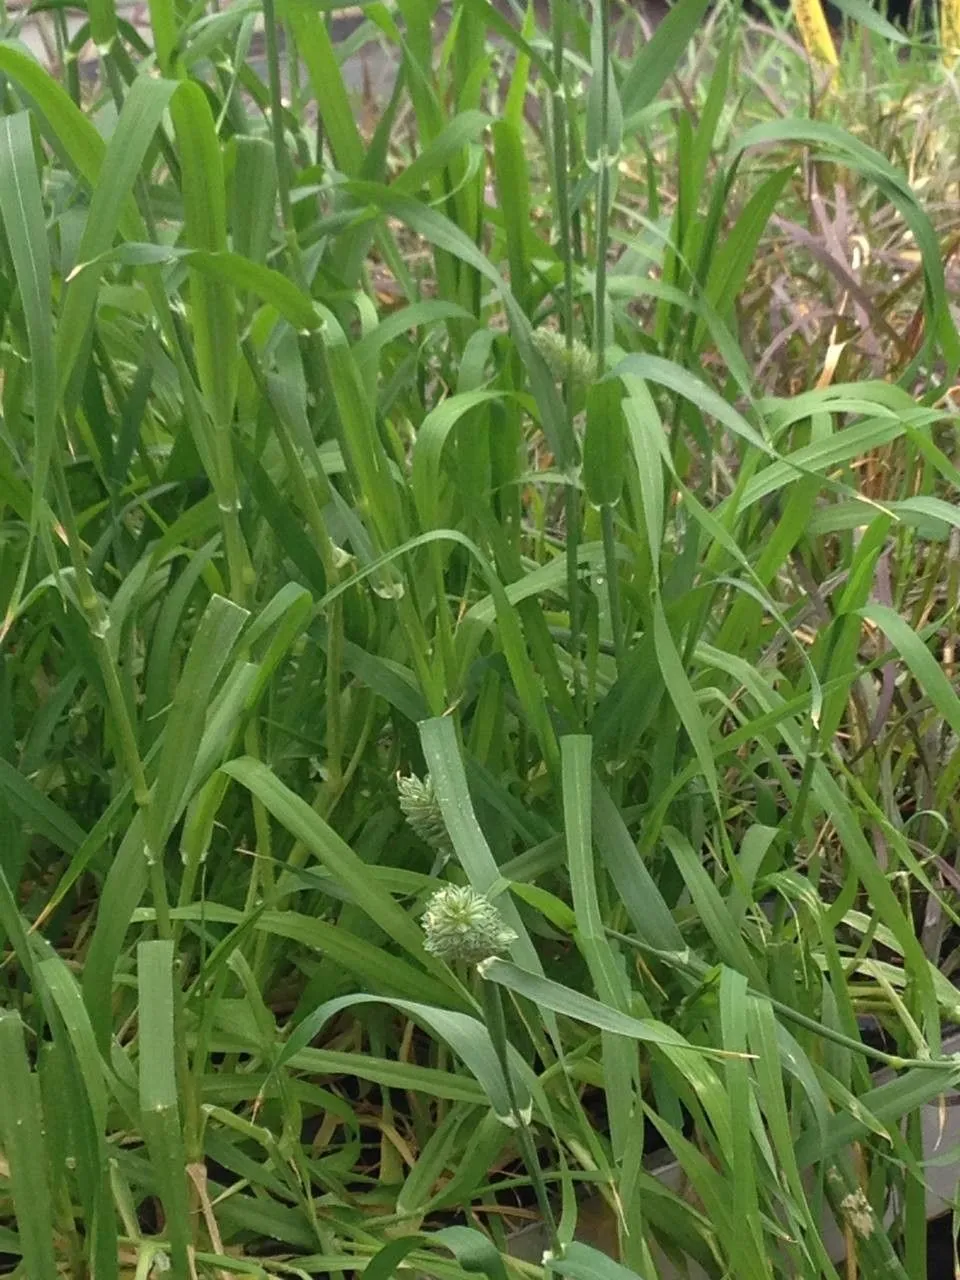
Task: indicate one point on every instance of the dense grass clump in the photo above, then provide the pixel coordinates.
(543, 485)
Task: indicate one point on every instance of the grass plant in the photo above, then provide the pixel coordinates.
(548, 485)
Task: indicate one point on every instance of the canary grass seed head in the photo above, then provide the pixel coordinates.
(576, 362)
(461, 924)
(420, 807)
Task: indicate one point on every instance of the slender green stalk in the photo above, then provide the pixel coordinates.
(229, 508)
(114, 79)
(158, 889)
(612, 567)
(603, 162)
(814, 754)
(492, 1000)
(561, 200)
(64, 53)
(687, 963)
(312, 492)
(443, 629)
(270, 26)
(332, 677)
(98, 624)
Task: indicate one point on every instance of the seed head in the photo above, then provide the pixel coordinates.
(420, 807)
(461, 924)
(576, 362)
(856, 1209)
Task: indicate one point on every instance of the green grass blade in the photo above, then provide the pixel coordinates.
(88, 1101)
(159, 1109)
(513, 194)
(926, 670)
(63, 988)
(635, 886)
(35, 807)
(313, 40)
(22, 1128)
(142, 112)
(371, 964)
(24, 221)
(673, 376)
(762, 1038)
(581, 1262)
(442, 754)
(166, 29)
(473, 1251)
(683, 698)
(711, 909)
(219, 628)
(339, 859)
(444, 234)
(205, 220)
(606, 972)
(468, 1037)
(733, 1021)
(572, 1004)
(433, 434)
(226, 269)
(254, 197)
(658, 57)
(103, 24)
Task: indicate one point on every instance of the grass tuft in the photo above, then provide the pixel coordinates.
(526, 503)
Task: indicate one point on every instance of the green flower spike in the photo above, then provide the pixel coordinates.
(462, 924)
(578, 362)
(420, 807)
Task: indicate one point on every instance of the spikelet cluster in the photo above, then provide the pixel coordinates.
(420, 807)
(577, 362)
(461, 924)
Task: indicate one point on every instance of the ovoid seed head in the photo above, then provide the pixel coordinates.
(461, 924)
